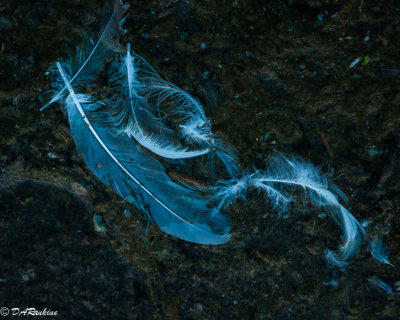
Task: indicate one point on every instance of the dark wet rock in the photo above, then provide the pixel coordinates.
(51, 258)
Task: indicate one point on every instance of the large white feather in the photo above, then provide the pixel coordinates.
(138, 177)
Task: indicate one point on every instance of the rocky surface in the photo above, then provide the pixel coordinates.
(320, 79)
(51, 258)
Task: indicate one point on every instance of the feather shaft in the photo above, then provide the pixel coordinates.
(84, 117)
(130, 75)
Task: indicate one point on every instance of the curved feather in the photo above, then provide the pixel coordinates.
(379, 251)
(185, 110)
(279, 181)
(162, 146)
(139, 178)
(284, 172)
(134, 116)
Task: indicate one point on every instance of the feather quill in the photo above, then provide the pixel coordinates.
(139, 178)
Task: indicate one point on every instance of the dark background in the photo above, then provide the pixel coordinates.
(273, 76)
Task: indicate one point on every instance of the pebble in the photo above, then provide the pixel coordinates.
(51, 155)
(98, 224)
(25, 277)
(198, 307)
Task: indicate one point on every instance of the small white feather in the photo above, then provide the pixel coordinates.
(379, 251)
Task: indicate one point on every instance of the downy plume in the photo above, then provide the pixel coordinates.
(379, 251)
(195, 130)
(164, 98)
(280, 181)
(135, 117)
(87, 64)
(137, 177)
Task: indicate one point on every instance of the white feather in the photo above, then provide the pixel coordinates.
(379, 251)
(280, 181)
(139, 178)
(162, 96)
(135, 116)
